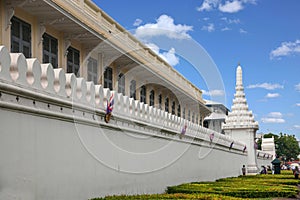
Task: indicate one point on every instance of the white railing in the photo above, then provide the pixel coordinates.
(41, 88)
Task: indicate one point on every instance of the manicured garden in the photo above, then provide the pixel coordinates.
(243, 187)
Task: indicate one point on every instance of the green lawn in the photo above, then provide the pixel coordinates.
(243, 187)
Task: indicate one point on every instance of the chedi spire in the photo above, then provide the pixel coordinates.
(240, 116)
(239, 76)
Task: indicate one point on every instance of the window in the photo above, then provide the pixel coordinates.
(121, 84)
(193, 117)
(159, 101)
(179, 111)
(151, 98)
(92, 70)
(108, 78)
(173, 108)
(20, 37)
(73, 59)
(143, 94)
(205, 124)
(167, 104)
(50, 50)
(183, 113)
(189, 115)
(132, 89)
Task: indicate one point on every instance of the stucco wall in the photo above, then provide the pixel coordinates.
(45, 158)
(54, 143)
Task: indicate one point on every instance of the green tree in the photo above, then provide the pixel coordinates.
(287, 147)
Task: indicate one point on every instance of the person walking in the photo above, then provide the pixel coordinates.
(296, 172)
(244, 170)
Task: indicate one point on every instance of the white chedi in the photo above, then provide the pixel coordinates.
(240, 115)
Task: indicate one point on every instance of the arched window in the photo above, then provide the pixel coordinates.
(151, 98)
(160, 101)
(132, 89)
(178, 110)
(121, 84)
(183, 113)
(167, 104)
(173, 108)
(189, 115)
(143, 94)
(108, 78)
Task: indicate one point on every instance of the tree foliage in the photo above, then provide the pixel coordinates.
(287, 146)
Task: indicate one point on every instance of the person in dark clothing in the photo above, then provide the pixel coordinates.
(296, 172)
(244, 170)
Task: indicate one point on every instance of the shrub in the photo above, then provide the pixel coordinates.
(235, 188)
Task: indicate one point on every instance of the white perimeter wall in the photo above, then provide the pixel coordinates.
(54, 143)
(44, 158)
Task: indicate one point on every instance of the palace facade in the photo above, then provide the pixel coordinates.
(80, 38)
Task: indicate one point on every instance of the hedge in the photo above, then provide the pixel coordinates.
(236, 188)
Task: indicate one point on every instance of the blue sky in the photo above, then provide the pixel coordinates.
(262, 35)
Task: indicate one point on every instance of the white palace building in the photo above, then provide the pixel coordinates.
(87, 110)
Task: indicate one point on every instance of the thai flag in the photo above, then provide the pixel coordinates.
(211, 137)
(183, 129)
(110, 104)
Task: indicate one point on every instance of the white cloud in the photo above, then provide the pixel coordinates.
(153, 47)
(272, 95)
(297, 87)
(273, 117)
(210, 27)
(297, 126)
(208, 5)
(231, 21)
(205, 19)
(213, 93)
(164, 26)
(275, 114)
(243, 31)
(169, 56)
(272, 120)
(234, 21)
(286, 49)
(225, 29)
(231, 6)
(267, 86)
(298, 104)
(137, 22)
(249, 1)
